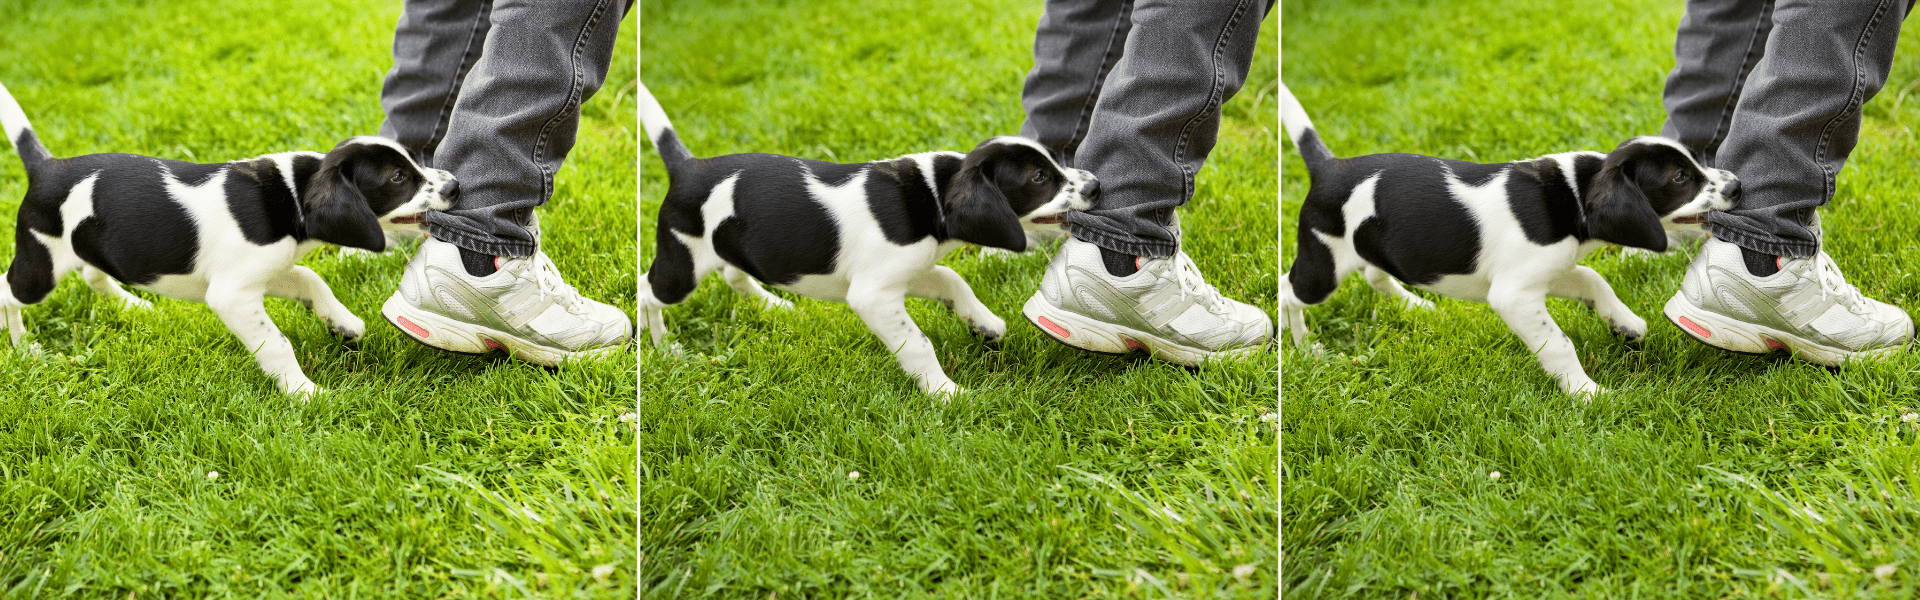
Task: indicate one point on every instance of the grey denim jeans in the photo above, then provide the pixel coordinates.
(1131, 90)
(1772, 90)
(491, 91)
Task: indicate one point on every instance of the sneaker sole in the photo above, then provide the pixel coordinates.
(441, 333)
(1081, 332)
(1732, 335)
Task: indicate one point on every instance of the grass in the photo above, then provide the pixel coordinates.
(1063, 474)
(422, 473)
(1705, 474)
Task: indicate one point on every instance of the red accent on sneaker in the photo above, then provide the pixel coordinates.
(416, 330)
(1777, 264)
(1695, 327)
(1136, 262)
(1055, 328)
(1133, 345)
(493, 345)
(496, 263)
(1775, 345)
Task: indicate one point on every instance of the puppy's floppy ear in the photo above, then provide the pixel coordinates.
(1617, 210)
(977, 211)
(335, 210)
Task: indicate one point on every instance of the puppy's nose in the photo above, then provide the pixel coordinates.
(1091, 191)
(1733, 190)
(450, 191)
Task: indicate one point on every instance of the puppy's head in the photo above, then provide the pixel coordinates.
(1649, 186)
(1010, 185)
(369, 184)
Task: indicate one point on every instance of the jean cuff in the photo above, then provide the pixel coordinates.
(1122, 244)
(1763, 243)
(483, 245)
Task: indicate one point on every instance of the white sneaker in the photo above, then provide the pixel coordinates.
(1166, 308)
(1807, 308)
(524, 309)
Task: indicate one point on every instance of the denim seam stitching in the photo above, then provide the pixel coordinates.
(573, 99)
(1084, 126)
(1854, 100)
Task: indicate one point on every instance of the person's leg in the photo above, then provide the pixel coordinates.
(1158, 115)
(516, 115)
(1714, 52)
(480, 282)
(434, 47)
(1074, 50)
(1762, 282)
(1121, 283)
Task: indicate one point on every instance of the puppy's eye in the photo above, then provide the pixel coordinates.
(1680, 177)
(398, 177)
(1040, 177)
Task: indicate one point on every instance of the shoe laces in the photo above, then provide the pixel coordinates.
(546, 278)
(1192, 283)
(1834, 284)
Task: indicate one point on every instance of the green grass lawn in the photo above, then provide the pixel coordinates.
(1062, 474)
(1705, 474)
(422, 473)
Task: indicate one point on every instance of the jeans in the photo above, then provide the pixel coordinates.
(1772, 90)
(491, 91)
(1131, 90)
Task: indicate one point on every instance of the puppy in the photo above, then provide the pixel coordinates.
(225, 234)
(1506, 234)
(865, 234)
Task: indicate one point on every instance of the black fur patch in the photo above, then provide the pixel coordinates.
(1546, 207)
(1418, 233)
(261, 202)
(778, 233)
(138, 232)
(907, 210)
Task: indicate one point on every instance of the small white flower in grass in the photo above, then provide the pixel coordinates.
(213, 474)
(1495, 475)
(1910, 417)
(1883, 572)
(602, 571)
(1242, 572)
(853, 475)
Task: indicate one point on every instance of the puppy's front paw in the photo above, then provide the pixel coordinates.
(1585, 389)
(1629, 326)
(348, 326)
(303, 388)
(944, 389)
(989, 326)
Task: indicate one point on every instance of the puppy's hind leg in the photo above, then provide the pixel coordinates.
(106, 286)
(941, 283)
(1584, 284)
(1386, 284)
(745, 284)
(1524, 308)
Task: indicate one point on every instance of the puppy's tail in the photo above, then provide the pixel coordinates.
(660, 131)
(20, 133)
(1300, 130)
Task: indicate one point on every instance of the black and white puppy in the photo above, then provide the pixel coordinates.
(867, 234)
(226, 234)
(1506, 234)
